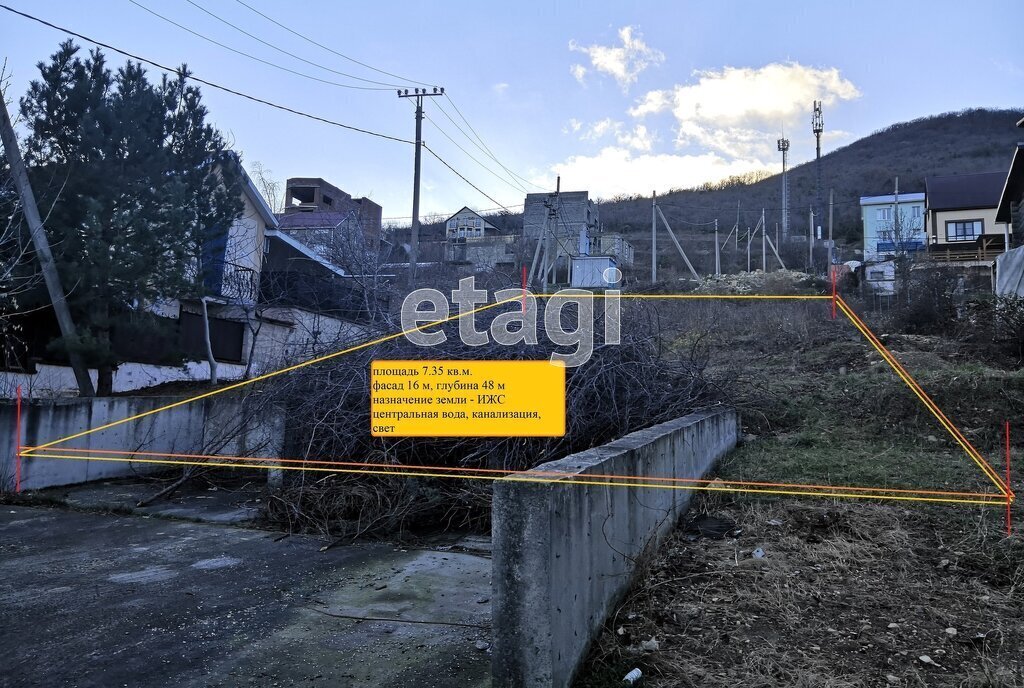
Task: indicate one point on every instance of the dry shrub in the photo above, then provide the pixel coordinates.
(653, 375)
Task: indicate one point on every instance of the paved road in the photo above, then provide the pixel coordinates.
(105, 600)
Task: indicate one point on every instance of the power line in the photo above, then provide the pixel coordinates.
(450, 213)
(517, 187)
(459, 174)
(257, 59)
(211, 84)
(331, 50)
(485, 148)
(285, 52)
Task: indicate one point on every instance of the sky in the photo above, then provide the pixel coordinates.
(616, 97)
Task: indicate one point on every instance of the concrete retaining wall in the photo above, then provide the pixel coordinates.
(564, 554)
(224, 424)
(1010, 273)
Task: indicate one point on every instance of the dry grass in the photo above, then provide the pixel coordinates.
(846, 595)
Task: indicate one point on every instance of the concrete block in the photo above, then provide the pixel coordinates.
(565, 554)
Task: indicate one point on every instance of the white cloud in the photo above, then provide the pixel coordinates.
(623, 62)
(572, 126)
(738, 111)
(638, 138)
(578, 71)
(500, 89)
(600, 129)
(617, 170)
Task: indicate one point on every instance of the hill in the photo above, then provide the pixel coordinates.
(954, 143)
(978, 140)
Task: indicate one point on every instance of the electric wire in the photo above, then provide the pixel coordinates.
(485, 147)
(516, 186)
(289, 54)
(460, 176)
(330, 50)
(257, 59)
(206, 82)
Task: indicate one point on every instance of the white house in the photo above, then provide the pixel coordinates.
(256, 324)
(891, 229)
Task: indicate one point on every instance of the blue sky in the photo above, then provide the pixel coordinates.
(617, 97)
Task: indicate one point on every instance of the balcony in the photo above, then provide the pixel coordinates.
(985, 248)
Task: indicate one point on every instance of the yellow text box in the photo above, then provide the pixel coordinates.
(467, 398)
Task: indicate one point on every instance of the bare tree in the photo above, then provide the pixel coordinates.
(267, 185)
(906, 234)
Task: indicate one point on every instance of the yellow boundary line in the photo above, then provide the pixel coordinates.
(925, 399)
(1004, 490)
(997, 500)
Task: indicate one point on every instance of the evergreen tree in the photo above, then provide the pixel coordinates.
(141, 189)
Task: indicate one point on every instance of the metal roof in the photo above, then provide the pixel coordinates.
(964, 191)
(891, 198)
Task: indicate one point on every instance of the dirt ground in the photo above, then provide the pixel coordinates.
(802, 593)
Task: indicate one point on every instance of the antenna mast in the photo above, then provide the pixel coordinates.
(817, 126)
(784, 148)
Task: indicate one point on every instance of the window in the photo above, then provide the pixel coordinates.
(876, 275)
(885, 235)
(915, 212)
(965, 230)
(884, 214)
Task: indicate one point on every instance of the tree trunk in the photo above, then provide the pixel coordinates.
(105, 381)
(209, 347)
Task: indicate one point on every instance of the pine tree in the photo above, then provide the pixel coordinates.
(139, 188)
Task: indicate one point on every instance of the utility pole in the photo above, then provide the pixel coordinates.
(718, 252)
(414, 240)
(896, 215)
(764, 248)
(42, 247)
(810, 240)
(831, 244)
(654, 237)
(737, 246)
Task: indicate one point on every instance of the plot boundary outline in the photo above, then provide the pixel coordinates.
(1004, 496)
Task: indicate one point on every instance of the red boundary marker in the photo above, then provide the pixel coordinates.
(1009, 521)
(17, 443)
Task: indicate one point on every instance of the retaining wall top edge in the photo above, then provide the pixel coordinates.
(584, 460)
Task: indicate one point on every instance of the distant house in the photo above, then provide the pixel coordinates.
(960, 218)
(567, 214)
(471, 240)
(892, 226)
(613, 244)
(329, 220)
(467, 223)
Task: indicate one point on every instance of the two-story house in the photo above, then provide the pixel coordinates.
(960, 218)
(471, 240)
(893, 226)
(270, 300)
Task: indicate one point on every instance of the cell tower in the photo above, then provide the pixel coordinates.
(817, 126)
(784, 147)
